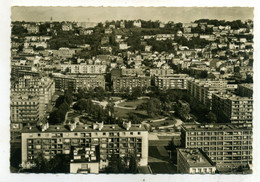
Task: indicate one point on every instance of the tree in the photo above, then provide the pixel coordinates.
(133, 164)
(153, 107)
(58, 164)
(68, 96)
(81, 105)
(203, 74)
(211, 117)
(99, 93)
(41, 164)
(136, 92)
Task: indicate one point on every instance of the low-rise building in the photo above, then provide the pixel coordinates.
(194, 161)
(64, 53)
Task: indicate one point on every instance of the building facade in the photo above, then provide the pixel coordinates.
(202, 90)
(123, 141)
(228, 145)
(128, 82)
(233, 108)
(26, 109)
(245, 90)
(84, 68)
(74, 82)
(176, 81)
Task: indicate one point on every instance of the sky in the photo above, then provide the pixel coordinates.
(101, 14)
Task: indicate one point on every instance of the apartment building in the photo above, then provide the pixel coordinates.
(84, 68)
(26, 108)
(194, 161)
(175, 81)
(202, 90)
(122, 140)
(74, 82)
(128, 82)
(228, 145)
(161, 72)
(245, 90)
(43, 87)
(232, 108)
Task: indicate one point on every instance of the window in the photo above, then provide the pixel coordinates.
(75, 134)
(39, 134)
(131, 133)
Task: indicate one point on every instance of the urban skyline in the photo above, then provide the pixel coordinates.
(96, 14)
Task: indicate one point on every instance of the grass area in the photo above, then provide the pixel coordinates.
(133, 103)
(163, 123)
(116, 98)
(123, 113)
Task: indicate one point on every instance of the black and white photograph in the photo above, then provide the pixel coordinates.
(131, 90)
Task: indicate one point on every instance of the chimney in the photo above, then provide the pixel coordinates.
(127, 125)
(100, 126)
(72, 126)
(95, 126)
(44, 126)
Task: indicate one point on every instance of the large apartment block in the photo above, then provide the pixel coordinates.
(228, 145)
(245, 90)
(124, 82)
(98, 141)
(202, 90)
(26, 109)
(64, 82)
(84, 68)
(233, 108)
(175, 81)
(43, 87)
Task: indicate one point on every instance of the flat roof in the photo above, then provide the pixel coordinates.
(196, 158)
(215, 127)
(247, 85)
(83, 128)
(233, 97)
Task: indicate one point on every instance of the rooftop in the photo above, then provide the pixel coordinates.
(215, 127)
(82, 128)
(196, 158)
(232, 97)
(247, 85)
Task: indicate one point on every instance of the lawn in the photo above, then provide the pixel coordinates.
(133, 103)
(123, 113)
